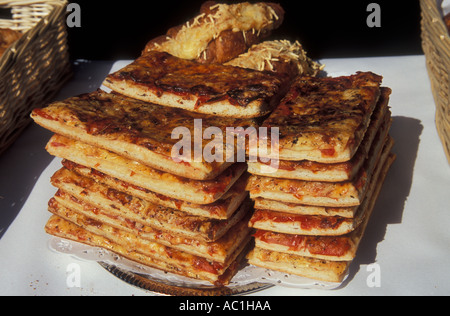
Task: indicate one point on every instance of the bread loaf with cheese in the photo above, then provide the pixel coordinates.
(220, 32)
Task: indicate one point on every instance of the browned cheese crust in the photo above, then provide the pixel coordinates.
(325, 119)
(221, 250)
(147, 253)
(338, 172)
(145, 213)
(194, 191)
(138, 130)
(214, 89)
(317, 269)
(222, 209)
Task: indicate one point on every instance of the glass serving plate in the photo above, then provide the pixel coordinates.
(248, 280)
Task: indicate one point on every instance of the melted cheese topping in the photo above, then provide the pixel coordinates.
(193, 38)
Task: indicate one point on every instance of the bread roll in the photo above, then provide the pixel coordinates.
(7, 38)
(220, 32)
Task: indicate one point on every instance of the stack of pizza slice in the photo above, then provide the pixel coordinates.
(120, 188)
(135, 179)
(149, 170)
(314, 203)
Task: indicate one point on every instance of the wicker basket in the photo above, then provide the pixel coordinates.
(35, 67)
(436, 45)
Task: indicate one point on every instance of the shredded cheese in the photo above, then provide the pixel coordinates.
(262, 56)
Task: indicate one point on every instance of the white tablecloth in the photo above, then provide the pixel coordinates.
(408, 238)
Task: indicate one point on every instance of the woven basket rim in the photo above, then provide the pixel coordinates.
(33, 68)
(12, 3)
(436, 44)
(436, 15)
(57, 6)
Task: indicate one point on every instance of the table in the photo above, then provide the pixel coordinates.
(406, 249)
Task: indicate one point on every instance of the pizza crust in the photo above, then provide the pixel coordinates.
(155, 216)
(149, 254)
(309, 260)
(136, 130)
(198, 192)
(313, 225)
(299, 209)
(212, 89)
(325, 119)
(76, 179)
(325, 194)
(338, 172)
(219, 251)
(322, 270)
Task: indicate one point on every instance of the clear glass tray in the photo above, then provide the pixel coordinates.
(249, 279)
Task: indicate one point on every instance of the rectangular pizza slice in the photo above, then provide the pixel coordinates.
(332, 248)
(299, 209)
(141, 131)
(326, 194)
(307, 261)
(215, 89)
(318, 225)
(325, 119)
(155, 216)
(316, 269)
(336, 172)
(75, 179)
(219, 251)
(130, 171)
(149, 254)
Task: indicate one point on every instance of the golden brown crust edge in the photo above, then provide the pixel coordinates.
(57, 226)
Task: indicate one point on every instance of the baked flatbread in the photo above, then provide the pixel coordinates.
(307, 264)
(150, 254)
(219, 251)
(220, 32)
(299, 209)
(139, 131)
(326, 194)
(333, 248)
(75, 179)
(130, 171)
(337, 172)
(317, 269)
(317, 225)
(155, 216)
(203, 88)
(325, 119)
